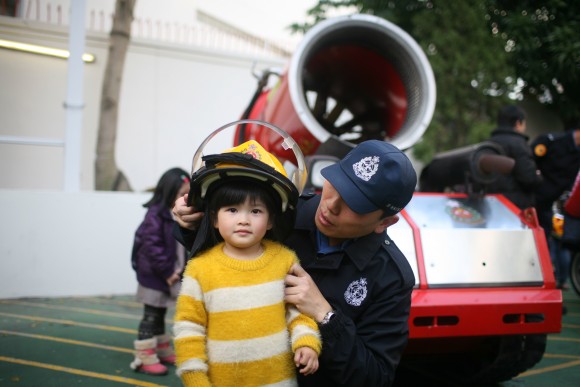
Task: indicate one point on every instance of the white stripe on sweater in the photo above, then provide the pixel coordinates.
(284, 383)
(248, 350)
(291, 313)
(244, 297)
(301, 331)
(191, 365)
(190, 287)
(183, 329)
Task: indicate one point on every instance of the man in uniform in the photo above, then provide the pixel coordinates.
(353, 279)
(557, 156)
(519, 185)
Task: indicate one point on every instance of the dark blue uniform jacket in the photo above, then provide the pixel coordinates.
(369, 285)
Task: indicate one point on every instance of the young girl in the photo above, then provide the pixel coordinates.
(158, 260)
(232, 327)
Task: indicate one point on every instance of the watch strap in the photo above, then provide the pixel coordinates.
(327, 317)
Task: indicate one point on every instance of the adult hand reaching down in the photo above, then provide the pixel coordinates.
(186, 217)
(303, 292)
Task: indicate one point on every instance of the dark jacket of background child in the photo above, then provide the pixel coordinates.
(154, 252)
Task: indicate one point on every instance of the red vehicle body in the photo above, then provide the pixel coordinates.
(485, 294)
(571, 211)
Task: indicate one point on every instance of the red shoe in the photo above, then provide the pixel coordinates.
(164, 350)
(156, 369)
(167, 359)
(146, 360)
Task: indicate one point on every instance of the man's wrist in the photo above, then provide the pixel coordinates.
(327, 317)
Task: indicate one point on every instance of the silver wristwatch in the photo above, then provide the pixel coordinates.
(327, 318)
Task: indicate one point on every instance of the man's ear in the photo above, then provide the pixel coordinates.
(386, 222)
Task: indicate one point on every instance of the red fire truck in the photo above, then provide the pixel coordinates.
(485, 295)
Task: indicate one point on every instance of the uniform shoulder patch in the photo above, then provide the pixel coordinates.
(356, 292)
(540, 150)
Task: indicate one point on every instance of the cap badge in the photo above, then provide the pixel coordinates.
(366, 167)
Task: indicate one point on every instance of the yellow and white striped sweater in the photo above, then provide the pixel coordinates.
(232, 327)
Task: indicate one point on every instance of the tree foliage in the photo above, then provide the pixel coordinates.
(542, 38)
(478, 50)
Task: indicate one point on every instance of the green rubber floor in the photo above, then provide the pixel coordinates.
(87, 342)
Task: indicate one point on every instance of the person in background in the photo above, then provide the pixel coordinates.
(557, 156)
(559, 253)
(352, 279)
(158, 261)
(232, 326)
(519, 185)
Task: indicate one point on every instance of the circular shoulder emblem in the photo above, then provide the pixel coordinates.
(540, 150)
(356, 292)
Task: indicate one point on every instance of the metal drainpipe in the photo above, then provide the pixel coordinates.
(74, 103)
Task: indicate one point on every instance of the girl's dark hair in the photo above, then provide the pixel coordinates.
(168, 187)
(233, 193)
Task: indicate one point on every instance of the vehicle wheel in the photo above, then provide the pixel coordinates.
(516, 355)
(499, 359)
(575, 271)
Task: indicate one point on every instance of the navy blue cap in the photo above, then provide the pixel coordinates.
(375, 175)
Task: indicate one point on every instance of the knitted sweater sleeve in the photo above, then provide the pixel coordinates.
(190, 331)
(303, 329)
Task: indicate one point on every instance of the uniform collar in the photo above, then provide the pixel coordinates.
(509, 131)
(363, 249)
(360, 251)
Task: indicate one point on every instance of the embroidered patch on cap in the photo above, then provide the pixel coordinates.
(366, 167)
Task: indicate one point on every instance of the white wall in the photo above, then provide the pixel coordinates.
(55, 244)
(172, 97)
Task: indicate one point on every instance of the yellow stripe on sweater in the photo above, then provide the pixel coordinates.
(188, 348)
(216, 270)
(276, 371)
(247, 324)
(189, 309)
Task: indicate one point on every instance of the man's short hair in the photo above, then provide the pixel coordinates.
(509, 115)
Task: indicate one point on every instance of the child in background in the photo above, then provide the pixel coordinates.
(158, 261)
(232, 327)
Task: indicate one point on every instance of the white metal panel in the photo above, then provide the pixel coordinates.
(402, 234)
(480, 257)
(474, 242)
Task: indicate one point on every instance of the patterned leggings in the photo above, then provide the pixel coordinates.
(153, 322)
